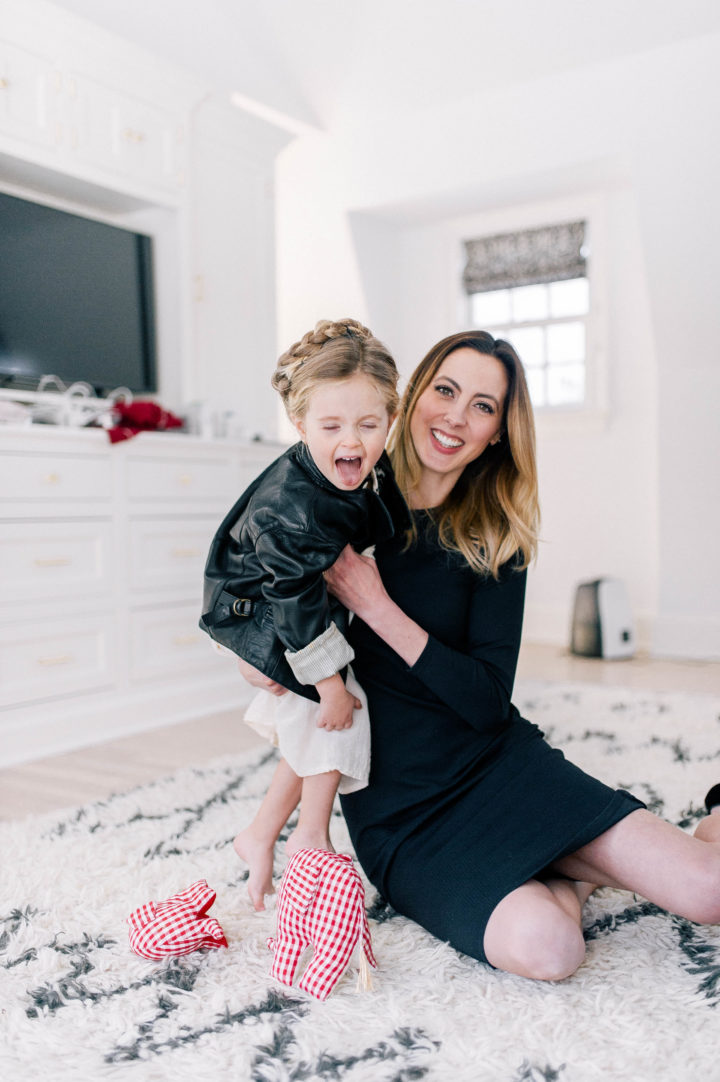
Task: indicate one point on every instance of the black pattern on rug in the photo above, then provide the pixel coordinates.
(434, 1014)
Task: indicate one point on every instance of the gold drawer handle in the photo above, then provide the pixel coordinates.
(4, 83)
(185, 479)
(183, 554)
(132, 136)
(52, 561)
(52, 479)
(186, 640)
(57, 659)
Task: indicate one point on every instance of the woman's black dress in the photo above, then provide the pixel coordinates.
(466, 800)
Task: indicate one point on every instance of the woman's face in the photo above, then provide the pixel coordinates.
(458, 414)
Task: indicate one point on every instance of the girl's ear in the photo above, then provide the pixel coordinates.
(299, 425)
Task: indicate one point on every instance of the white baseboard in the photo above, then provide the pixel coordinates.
(54, 727)
(691, 638)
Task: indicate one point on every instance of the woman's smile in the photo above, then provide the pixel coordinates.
(447, 443)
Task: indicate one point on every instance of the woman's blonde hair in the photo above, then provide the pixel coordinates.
(492, 514)
(334, 351)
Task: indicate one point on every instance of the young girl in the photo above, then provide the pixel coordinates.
(265, 596)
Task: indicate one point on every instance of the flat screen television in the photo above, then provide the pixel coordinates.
(76, 300)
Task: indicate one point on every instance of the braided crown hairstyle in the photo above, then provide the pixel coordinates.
(334, 350)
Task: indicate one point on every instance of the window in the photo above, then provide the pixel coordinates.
(531, 288)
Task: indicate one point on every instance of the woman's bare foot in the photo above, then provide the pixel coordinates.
(302, 838)
(258, 856)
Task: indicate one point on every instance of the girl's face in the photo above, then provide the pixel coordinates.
(345, 428)
(458, 414)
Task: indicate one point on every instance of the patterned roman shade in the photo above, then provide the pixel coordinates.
(552, 253)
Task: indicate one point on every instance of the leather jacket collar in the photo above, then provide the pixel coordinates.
(306, 460)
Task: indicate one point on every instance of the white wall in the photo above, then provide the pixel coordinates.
(368, 223)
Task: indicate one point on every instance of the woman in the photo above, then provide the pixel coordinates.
(471, 824)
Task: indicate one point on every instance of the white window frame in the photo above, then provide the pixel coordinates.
(592, 413)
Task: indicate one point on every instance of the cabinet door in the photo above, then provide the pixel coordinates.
(193, 481)
(28, 96)
(47, 659)
(44, 477)
(170, 554)
(124, 134)
(50, 561)
(167, 642)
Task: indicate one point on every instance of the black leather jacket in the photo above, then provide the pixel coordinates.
(264, 594)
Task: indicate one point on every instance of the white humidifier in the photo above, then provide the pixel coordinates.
(602, 623)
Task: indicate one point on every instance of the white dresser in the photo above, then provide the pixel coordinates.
(102, 549)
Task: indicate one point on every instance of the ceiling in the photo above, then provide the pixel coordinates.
(323, 62)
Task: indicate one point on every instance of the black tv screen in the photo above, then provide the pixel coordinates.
(76, 300)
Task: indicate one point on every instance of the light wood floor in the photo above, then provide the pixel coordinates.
(94, 773)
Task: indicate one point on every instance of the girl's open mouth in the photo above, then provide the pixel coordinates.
(350, 471)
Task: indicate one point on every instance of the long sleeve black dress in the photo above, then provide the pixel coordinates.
(466, 800)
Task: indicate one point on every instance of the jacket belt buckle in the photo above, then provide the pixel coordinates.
(242, 606)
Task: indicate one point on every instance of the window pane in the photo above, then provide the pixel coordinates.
(529, 302)
(566, 342)
(565, 384)
(536, 385)
(571, 298)
(529, 344)
(489, 309)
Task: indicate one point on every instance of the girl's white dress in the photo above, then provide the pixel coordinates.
(289, 722)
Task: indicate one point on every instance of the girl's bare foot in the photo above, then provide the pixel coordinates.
(258, 856)
(302, 838)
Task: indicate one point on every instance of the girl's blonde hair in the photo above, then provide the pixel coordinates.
(492, 514)
(334, 351)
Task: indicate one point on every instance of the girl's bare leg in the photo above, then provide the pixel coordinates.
(313, 829)
(256, 844)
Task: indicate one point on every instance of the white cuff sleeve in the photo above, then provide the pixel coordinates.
(323, 657)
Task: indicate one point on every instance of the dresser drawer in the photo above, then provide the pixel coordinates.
(55, 477)
(176, 479)
(56, 658)
(44, 561)
(166, 553)
(170, 641)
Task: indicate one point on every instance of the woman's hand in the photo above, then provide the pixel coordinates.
(355, 581)
(259, 679)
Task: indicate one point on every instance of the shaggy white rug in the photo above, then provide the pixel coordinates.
(76, 1004)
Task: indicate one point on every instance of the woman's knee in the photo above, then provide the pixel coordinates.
(549, 949)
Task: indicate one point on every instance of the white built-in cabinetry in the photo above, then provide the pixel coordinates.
(102, 550)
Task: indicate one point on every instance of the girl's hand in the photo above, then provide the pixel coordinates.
(259, 679)
(336, 704)
(355, 581)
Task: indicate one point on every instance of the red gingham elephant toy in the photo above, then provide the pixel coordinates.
(321, 902)
(176, 926)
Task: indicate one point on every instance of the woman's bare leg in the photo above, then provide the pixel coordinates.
(677, 871)
(256, 844)
(313, 829)
(536, 930)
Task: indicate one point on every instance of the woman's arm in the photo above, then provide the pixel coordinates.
(476, 683)
(355, 581)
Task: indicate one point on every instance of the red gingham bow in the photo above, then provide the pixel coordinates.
(176, 926)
